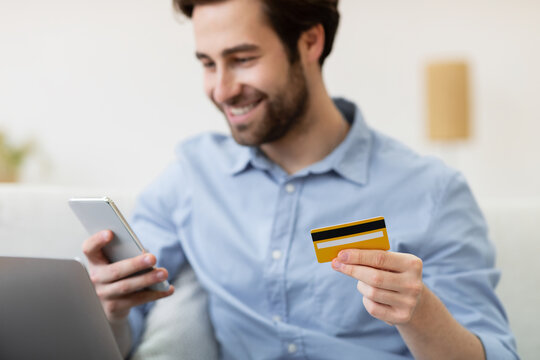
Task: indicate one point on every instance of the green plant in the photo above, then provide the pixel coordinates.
(12, 157)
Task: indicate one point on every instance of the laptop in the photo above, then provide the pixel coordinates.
(49, 310)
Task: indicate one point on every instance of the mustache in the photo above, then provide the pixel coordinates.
(245, 97)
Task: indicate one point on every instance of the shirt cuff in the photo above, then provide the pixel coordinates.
(495, 349)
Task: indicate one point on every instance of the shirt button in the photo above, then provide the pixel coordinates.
(276, 318)
(291, 348)
(276, 254)
(289, 188)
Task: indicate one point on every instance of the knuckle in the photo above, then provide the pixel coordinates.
(93, 273)
(380, 259)
(415, 288)
(114, 272)
(354, 256)
(111, 307)
(347, 269)
(100, 293)
(416, 264)
(376, 280)
(372, 292)
(124, 288)
(95, 279)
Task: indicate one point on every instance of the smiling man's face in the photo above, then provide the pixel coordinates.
(247, 73)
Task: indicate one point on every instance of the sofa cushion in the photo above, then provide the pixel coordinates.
(178, 327)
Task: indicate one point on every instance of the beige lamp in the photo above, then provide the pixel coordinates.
(448, 106)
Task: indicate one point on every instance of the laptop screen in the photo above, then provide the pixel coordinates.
(49, 310)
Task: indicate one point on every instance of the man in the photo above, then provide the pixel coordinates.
(239, 211)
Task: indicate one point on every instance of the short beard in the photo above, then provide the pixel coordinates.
(284, 112)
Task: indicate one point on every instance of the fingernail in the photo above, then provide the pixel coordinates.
(148, 260)
(161, 275)
(105, 235)
(336, 264)
(343, 256)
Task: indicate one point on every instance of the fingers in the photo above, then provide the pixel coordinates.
(387, 260)
(92, 246)
(117, 289)
(119, 296)
(388, 306)
(377, 310)
(130, 285)
(381, 296)
(373, 277)
(407, 283)
(118, 309)
(121, 269)
(143, 297)
(390, 282)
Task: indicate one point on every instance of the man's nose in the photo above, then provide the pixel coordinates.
(226, 87)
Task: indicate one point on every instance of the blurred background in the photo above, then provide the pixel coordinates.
(96, 95)
(106, 89)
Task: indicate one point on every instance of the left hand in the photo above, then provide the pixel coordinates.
(391, 282)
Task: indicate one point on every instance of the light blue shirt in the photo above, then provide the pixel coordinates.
(244, 226)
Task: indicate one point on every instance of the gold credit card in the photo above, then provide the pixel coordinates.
(363, 234)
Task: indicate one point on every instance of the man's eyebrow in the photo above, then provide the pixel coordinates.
(239, 48)
(229, 51)
(201, 56)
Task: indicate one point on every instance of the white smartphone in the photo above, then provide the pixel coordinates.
(97, 214)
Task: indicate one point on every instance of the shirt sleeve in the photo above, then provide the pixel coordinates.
(459, 268)
(156, 218)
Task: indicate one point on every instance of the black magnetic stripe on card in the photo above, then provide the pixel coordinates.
(348, 230)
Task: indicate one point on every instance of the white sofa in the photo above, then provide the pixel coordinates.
(36, 221)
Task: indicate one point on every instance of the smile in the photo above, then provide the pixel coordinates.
(237, 111)
(242, 110)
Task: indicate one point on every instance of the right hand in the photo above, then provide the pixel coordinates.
(117, 292)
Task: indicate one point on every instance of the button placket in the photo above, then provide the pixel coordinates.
(289, 188)
(292, 348)
(277, 254)
(284, 218)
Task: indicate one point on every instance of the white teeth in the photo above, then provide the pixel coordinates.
(237, 111)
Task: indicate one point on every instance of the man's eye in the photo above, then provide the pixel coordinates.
(244, 60)
(208, 64)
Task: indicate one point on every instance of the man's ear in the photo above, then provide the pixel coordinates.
(311, 44)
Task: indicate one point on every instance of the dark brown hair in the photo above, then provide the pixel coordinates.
(289, 19)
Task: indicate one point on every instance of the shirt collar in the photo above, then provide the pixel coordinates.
(349, 159)
(250, 156)
(243, 159)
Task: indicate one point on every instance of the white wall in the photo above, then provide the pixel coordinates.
(107, 88)
(383, 46)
